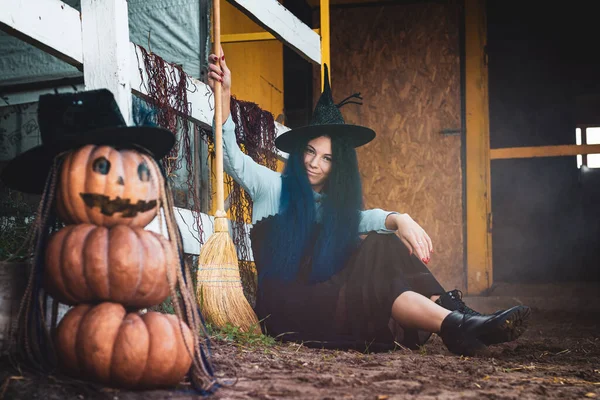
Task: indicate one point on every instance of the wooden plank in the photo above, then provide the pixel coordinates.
(106, 56)
(478, 196)
(284, 25)
(50, 25)
(325, 41)
(544, 151)
(584, 157)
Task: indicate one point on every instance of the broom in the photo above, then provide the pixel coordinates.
(219, 292)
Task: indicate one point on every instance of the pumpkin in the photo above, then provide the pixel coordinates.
(105, 186)
(104, 344)
(87, 263)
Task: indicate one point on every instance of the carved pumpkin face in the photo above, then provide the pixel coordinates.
(105, 186)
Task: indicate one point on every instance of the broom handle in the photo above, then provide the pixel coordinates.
(220, 212)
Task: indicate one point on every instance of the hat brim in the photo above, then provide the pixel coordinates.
(28, 171)
(354, 135)
(157, 141)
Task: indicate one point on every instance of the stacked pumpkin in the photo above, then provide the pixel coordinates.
(107, 266)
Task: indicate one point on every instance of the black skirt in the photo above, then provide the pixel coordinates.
(351, 310)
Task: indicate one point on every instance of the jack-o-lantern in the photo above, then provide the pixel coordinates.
(87, 263)
(106, 345)
(105, 186)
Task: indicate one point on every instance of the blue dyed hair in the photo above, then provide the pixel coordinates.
(293, 232)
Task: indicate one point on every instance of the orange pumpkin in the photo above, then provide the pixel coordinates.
(86, 263)
(104, 344)
(105, 186)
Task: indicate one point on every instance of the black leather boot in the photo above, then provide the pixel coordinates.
(514, 327)
(464, 334)
(452, 301)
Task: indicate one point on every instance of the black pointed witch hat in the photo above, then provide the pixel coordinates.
(326, 120)
(70, 120)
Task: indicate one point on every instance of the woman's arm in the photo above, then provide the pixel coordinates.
(411, 233)
(253, 177)
(374, 220)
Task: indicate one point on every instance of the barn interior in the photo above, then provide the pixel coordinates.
(478, 108)
(487, 116)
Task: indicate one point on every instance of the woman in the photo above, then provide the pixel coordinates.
(318, 281)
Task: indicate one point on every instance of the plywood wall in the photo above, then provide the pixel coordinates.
(404, 59)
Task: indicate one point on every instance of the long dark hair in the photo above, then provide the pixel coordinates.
(292, 232)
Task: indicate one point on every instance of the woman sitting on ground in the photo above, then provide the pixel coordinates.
(319, 282)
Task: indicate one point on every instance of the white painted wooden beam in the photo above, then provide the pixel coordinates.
(106, 51)
(186, 221)
(284, 25)
(51, 25)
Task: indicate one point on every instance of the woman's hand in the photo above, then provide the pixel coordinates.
(218, 71)
(412, 235)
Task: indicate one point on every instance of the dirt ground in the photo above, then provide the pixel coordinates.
(558, 357)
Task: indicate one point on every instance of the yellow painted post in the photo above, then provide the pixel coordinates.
(325, 43)
(478, 190)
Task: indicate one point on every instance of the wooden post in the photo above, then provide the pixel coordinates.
(478, 196)
(106, 50)
(584, 142)
(325, 41)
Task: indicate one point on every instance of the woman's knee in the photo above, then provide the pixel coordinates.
(385, 239)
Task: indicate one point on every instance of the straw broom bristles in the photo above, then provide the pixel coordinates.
(219, 288)
(219, 292)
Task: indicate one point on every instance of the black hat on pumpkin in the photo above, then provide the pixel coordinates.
(71, 120)
(326, 120)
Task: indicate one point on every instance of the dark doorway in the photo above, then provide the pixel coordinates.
(297, 74)
(542, 61)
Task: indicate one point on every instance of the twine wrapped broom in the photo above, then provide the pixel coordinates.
(219, 292)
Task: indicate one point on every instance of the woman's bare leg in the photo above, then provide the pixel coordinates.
(413, 310)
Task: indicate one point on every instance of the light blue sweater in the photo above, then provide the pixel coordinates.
(264, 185)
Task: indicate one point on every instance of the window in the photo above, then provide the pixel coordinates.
(587, 135)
